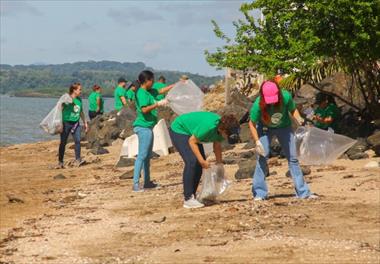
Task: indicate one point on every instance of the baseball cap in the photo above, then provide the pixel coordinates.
(270, 92)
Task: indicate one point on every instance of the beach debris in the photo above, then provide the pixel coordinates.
(160, 220)
(14, 199)
(59, 176)
(372, 164)
(348, 176)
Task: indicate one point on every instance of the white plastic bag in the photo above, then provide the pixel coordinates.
(214, 183)
(52, 123)
(185, 97)
(318, 147)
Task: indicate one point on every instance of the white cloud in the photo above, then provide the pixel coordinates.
(132, 15)
(14, 8)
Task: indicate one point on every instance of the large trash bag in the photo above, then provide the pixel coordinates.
(214, 183)
(185, 97)
(52, 123)
(319, 147)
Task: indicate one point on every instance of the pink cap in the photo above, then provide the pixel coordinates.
(270, 92)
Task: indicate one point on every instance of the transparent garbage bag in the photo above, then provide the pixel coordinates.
(214, 183)
(52, 123)
(319, 147)
(185, 97)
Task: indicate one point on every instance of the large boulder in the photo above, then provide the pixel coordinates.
(246, 169)
(239, 105)
(374, 142)
(357, 151)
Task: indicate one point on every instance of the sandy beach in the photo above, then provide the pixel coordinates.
(90, 215)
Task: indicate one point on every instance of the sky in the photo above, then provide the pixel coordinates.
(165, 35)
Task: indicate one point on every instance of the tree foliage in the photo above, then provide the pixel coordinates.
(298, 37)
(55, 79)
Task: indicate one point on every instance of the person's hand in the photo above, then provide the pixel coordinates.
(300, 120)
(205, 164)
(163, 102)
(259, 148)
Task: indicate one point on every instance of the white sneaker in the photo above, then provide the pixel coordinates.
(258, 199)
(192, 203)
(313, 196)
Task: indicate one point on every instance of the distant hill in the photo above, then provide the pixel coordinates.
(54, 79)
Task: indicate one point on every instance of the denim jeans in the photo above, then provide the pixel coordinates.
(193, 170)
(67, 130)
(145, 136)
(287, 141)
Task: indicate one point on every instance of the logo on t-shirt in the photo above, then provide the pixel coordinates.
(276, 118)
(76, 108)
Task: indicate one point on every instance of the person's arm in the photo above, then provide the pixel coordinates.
(84, 121)
(147, 109)
(218, 152)
(193, 142)
(166, 89)
(98, 103)
(252, 127)
(296, 114)
(123, 100)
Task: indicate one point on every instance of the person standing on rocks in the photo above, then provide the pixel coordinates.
(120, 94)
(96, 102)
(269, 116)
(71, 115)
(146, 108)
(327, 113)
(160, 88)
(187, 132)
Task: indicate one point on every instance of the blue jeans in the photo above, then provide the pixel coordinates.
(74, 129)
(192, 172)
(287, 141)
(145, 136)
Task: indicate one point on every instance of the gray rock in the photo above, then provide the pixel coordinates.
(127, 175)
(358, 155)
(250, 145)
(246, 169)
(99, 151)
(125, 162)
(231, 161)
(155, 155)
(374, 142)
(245, 133)
(247, 155)
(59, 177)
(14, 199)
(305, 170)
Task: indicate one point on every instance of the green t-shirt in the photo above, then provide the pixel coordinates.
(279, 118)
(130, 95)
(119, 91)
(155, 91)
(143, 99)
(93, 104)
(203, 125)
(330, 111)
(71, 112)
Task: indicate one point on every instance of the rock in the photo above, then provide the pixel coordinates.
(160, 220)
(305, 170)
(275, 148)
(127, 175)
(99, 151)
(59, 177)
(226, 146)
(230, 161)
(250, 145)
(359, 155)
(245, 133)
(155, 155)
(14, 199)
(92, 159)
(246, 169)
(125, 162)
(372, 164)
(247, 154)
(374, 142)
(239, 105)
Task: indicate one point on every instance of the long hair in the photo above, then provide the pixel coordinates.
(263, 105)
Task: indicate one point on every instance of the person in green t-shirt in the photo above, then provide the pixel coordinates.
(146, 108)
(187, 132)
(160, 88)
(71, 114)
(120, 94)
(327, 113)
(96, 102)
(270, 116)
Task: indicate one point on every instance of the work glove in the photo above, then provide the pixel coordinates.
(163, 102)
(259, 148)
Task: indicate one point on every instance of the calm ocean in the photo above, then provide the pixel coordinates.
(20, 118)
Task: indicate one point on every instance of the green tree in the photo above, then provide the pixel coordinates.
(308, 40)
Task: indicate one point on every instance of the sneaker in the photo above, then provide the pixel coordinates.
(258, 198)
(79, 163)
(192, 203)
(60, 165)
(136, 188)
(312, 196)
(150, 185)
